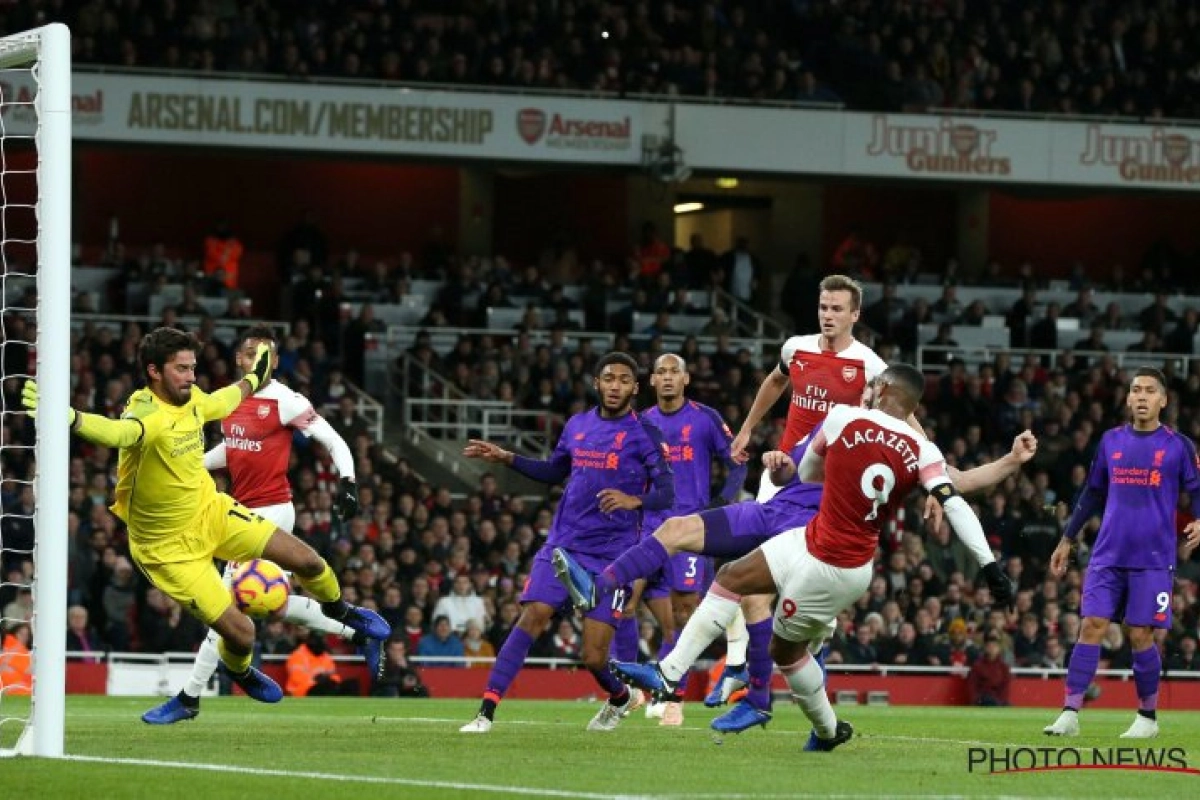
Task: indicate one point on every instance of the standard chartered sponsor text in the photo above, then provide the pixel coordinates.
(199, 113)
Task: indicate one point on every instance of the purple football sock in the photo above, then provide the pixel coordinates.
(1147, 667)
(624, 646)
(1084, 660)
(617, 693)
(759, 664)
(509, 662)
(640, 561)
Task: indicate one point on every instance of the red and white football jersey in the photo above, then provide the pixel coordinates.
(822, 379)
(872, 462)
(258, 444)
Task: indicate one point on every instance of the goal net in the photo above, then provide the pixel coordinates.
(35, 328)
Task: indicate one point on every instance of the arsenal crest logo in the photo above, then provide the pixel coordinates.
(263, 411)
(531, 124)
(849, 374)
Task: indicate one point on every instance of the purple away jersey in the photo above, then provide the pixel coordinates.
(1136, 478)
(593, 454)
(695, 435)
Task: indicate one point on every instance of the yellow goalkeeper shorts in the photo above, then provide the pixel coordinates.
(226, 530)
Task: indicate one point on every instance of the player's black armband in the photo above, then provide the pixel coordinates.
(943, 492)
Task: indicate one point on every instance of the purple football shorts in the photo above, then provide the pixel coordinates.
(543, 587)
(1132, 596)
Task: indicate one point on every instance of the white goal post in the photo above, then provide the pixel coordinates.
(43, 121)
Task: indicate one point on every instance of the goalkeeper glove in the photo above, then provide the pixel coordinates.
(260, 374)
(1003, 594)
(346, 502)
(29, 399)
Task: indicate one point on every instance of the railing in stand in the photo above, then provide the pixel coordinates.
(433, 406)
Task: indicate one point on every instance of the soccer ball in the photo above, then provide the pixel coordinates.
(260, 587)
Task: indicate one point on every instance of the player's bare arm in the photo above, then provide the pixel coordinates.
(771, 390)
(779, 466)
(985, 476)
(614, 499)
(1192, 533)
(492, 453)
(1061, 557)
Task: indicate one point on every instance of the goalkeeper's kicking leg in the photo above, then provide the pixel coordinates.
(235, 631)
(299, 609)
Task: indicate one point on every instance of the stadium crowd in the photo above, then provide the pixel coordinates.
(446, 571)
(1097, 57)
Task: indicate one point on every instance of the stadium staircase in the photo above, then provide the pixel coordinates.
(430, 419)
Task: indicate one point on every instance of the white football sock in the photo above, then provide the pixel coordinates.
(207, 660)
(308, 613)
(738, 640)
(711, 619)
(808, 687)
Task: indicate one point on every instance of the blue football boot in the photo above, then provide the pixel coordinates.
(171, 712)
(578, 582)
(843, 733)
(366, 622)
(258, 686)
(647, 677)
(742, 717)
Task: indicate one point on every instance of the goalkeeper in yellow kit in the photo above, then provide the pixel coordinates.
(178, 521)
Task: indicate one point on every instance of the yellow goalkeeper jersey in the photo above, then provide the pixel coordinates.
(162, 485)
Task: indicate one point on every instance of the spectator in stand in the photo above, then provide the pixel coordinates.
(651, 254)
(414, 627)
(475, 646)
(856, 256)
(1182, 338)
(164, 627)
(811, 90)
(990, 680)
(1044, 334)
(443, 644)
(745, 274)
(1029, 645)
(956, 648)
(462, 606)
(944, 343)
(1186, 658)
(307, 236)
(16, 662)
(1157, 316)
(83, 638)
(567, 643)
(1083, 307)
(397, 677)
(223, 256)
(701, 264)
(861, 649)
(311, 670)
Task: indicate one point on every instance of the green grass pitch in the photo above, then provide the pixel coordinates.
(356, 748)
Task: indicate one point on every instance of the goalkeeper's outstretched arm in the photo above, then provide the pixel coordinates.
(129, 431)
